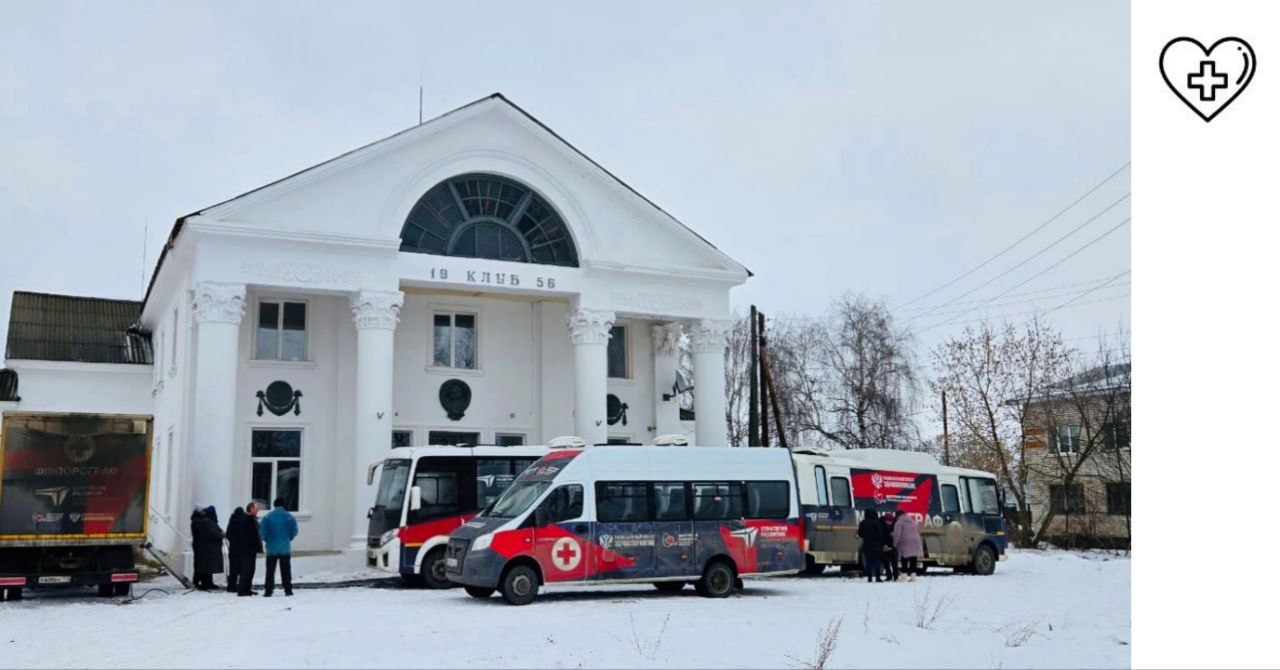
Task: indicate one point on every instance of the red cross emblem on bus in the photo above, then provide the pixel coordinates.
(565, 554)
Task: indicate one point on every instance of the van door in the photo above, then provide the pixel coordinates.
(673, 531)
(561, 535)
(953, 510)
(624, 531)
(844, 522)
(819, 530)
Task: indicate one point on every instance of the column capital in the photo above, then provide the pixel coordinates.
(709, 335)
(217, 302)
(376, 309)
(589, 326)
(666, 339)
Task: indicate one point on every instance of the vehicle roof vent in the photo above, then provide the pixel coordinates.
(674, 440)
(567, 442)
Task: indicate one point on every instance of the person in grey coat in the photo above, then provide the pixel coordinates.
(907, 541)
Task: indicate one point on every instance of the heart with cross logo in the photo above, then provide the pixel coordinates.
(1207, 80)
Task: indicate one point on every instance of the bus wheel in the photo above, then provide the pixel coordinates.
(669, 587)
(478, 592)
(813, 568)
(520, 585)
(984, 561)
(717, 580)
(433, 570)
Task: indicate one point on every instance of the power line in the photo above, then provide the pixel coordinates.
(1087, 292)
(1042, 272)
(1057, 293)
(1050, 289)
(1021, 239)
(1030, 258)
(1026, 313)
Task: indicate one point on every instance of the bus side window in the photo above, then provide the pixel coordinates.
(950, 499)
(439, 493)
(841, 494)
(820, 483)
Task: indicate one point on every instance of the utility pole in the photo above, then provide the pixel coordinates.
(766, 375)
(753, 414)
(764, 388)
(946, 436)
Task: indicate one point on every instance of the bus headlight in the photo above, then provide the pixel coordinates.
(481, 542)
(388, 536)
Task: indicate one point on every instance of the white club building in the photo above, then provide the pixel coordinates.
(472, 279)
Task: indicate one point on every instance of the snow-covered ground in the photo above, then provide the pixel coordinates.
(1040, 609)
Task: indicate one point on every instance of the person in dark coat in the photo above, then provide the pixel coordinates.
(873, 541)
(890, 554)
(206, 547)
(233, 558)
(246, 544)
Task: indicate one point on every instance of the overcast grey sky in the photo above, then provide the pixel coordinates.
(884, 148)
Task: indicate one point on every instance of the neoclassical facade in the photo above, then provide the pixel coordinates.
(473, 279)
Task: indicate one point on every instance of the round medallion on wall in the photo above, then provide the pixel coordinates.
(615, 410)
(280, 398)
(455, 398)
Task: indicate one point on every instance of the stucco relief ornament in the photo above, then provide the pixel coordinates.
(666, 339)
(376, 309)
(217, 301)
(280, 398)
(589, 326)
(709, 335)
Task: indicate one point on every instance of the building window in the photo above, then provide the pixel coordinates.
(401, 438)
(1067, 439)
(618, 352)
(508, 439)
(282, 331)
(1067, 500)
(1115, 435)
(1118, 499)
(452, 439)
(454, 341)
(486, 216)
(277, 467)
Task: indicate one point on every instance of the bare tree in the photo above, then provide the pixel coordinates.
(991, 376)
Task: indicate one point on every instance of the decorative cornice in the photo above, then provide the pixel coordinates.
(218, 302)
(666, 340)
(589, 326)
(709, 335)
(376, 309)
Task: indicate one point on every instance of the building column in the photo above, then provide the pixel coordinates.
(707, 342)
(666, 361)
(217, 309)
(589, 333)
(375, 314)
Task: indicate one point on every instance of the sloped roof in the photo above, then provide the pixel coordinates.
(49, 327)
(177, 225)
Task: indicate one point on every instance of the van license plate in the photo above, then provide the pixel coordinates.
(55, 580)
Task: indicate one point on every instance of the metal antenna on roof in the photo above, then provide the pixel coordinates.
(142, 282)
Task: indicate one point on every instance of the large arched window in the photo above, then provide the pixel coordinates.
(485, 216)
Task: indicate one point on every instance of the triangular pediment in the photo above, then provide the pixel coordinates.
(367, 193)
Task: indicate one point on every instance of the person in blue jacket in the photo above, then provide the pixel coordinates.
(278, 530)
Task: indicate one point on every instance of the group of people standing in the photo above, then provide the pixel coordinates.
(246, 538)
(888, 540)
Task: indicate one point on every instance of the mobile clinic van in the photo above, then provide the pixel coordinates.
(427, 492)
(610, 514)
(958, 509)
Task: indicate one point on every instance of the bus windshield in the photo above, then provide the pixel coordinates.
(515, 500)
(395, 475)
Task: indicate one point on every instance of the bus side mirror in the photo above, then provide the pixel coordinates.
(415, 499)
